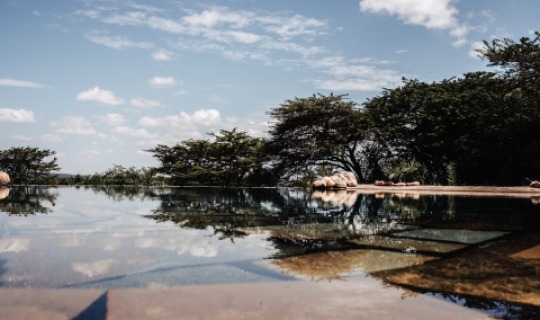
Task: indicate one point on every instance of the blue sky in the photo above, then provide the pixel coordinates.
(99, 81)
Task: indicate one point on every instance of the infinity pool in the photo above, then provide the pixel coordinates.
(112, 237)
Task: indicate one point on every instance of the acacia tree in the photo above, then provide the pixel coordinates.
(233, 158)
(27, 164)
(321, 131)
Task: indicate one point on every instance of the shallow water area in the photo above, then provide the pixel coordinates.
(390, 247)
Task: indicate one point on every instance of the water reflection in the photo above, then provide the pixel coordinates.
(27, 200)
(123, 237)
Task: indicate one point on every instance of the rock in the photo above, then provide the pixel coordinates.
(380, 183)
(352, 182)
(319, 184)
(338, 182)
(399, 184)
(414, 183)
(4, 192)
(535, 184)
(328, 182)
(4, 178)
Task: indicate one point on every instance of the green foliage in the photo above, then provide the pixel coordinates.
(407, 171)
(28, 165)
(115, 176)
(307, 133)
(233, 158)
(479, 129)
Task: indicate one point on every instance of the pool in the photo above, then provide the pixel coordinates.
(407, 245)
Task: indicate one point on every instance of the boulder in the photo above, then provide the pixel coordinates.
(4, 178)
(339, 183)
(535, 184)
(319, 184)
(352, 182)
(328, 182)
(380, 183)
(399, 184)
(4, 192)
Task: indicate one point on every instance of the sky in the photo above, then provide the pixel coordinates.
(101, 81)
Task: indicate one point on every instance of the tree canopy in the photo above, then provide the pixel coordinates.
(233, 158)
(28, 164)
(319, 132)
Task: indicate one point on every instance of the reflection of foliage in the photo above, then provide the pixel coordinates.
(411, 170)
(122, 193)
(221, 208)
(28, 200)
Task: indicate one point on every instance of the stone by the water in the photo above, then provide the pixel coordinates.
(4, 178)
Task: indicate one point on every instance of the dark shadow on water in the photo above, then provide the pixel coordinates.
(97, 310)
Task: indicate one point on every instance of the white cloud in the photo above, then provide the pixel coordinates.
(16, 115)
(431, 14)
(74, 125)
(51, 137)
(161, 55)
(162, 82)
(206, 117)
(100, 95)
(112, 119)
(135, 133)
(20, 83)
(212, 17)
(117, 42)
(287, 27)
(475, 46)
(145, 103)
(166, 25)
(352, 75)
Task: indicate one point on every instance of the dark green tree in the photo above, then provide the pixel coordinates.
(519, 62)
(479, 129)
(232, 158)
(328, 131)
(27, 165)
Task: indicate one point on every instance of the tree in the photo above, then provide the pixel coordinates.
(27, 164)
(233, 158)
(328, 131)
(520, 64)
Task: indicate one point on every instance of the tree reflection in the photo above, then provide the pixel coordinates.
(123, 193)
(28, 200)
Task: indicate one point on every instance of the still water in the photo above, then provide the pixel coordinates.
(482, 253)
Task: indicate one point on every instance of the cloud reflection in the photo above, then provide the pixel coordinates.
(14, 245)
(92, 269)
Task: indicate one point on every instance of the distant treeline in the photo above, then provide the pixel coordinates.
(482, 128)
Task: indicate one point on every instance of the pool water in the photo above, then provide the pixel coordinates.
(117, 237)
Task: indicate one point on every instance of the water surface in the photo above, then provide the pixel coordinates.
(112, 237)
